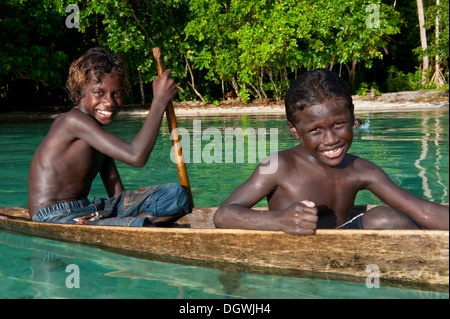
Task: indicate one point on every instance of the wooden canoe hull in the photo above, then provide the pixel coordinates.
(404, 255)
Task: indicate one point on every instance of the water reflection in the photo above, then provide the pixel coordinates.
(411, 142)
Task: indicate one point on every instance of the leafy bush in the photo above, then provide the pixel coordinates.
(365, 88)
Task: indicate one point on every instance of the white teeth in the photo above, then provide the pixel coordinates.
(332, 151)
(106, 113)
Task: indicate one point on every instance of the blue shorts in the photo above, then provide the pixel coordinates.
(354, 223)
(357, 223)
(161, 200)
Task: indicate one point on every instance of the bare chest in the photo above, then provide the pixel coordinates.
(333, 192)
(83, 160)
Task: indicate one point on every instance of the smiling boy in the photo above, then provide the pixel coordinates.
(316, 182)
(77, 148)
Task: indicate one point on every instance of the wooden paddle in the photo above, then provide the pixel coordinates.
(175, 137)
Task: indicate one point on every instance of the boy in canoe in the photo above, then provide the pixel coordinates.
(77, 147)
(316, 182)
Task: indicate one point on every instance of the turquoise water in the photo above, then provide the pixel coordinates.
(38, 268)
(412, 147)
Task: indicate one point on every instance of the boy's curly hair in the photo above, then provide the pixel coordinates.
(314, 87)
(94, 64)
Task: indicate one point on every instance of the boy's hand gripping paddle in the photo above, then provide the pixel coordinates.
(173, 128)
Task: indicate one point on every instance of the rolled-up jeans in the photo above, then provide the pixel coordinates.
(161, 201)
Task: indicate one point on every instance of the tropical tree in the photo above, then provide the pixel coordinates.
(423, 40)
(438, 20)
(258, 44)
(35, 51)
(252, 47)
(132, 29)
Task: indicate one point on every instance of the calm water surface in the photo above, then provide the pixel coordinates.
(412, 147)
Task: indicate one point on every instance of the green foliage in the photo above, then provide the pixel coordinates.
(133, 28)
(441, 46)
(365, 88)
(35, 54)
(244, 95)
(261, 41)
(253, 47)
(399, 81)
(28, 50)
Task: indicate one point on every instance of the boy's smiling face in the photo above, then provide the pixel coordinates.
(325, 130)
(103, 100)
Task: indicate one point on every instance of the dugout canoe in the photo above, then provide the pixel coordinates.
(410, 256)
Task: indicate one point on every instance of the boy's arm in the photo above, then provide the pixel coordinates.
(297, 219)
(427, 214)
(111, 178)
(136, 152)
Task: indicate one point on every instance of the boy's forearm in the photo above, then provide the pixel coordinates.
(436, 216)
(427, 214)
(145, 140)
(236, 216)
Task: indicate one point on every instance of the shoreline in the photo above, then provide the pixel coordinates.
(360, 107)
(409, 101)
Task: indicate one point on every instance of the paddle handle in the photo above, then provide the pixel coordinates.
(175, 137)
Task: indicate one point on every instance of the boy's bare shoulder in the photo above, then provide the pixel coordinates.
(289, 154)
(360, 163)
(364, 170)
(74, 120)
(67, 117)
(277, 164)
(74, 114)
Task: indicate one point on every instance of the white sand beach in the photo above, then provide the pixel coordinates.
(388, 102)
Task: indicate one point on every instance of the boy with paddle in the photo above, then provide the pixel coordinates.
(77, 148)
(316, 182)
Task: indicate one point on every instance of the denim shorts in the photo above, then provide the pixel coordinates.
(357, 223)
(121, 210)
(354, 223)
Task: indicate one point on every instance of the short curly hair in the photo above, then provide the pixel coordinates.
(314, 87)
(93, 65)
